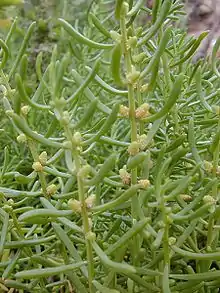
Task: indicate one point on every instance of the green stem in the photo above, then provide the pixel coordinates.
(131, 101)
(84, 213)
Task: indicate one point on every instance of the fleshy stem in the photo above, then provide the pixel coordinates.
(131, 98)
(81, 194)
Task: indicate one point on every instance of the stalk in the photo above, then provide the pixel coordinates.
(82, 197)
(131, 98)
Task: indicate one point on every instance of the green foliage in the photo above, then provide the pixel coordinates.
(110, 155)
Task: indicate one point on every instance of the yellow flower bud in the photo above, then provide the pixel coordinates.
(37, 167)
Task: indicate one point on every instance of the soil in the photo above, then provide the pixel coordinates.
(202, 15)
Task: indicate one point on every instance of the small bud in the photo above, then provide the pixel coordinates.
(142, 139)
(84, 171)
(25, 109)
(124, 111)
(125, 176)
(10, 202)
(75, 205)
(37, 167)
(21, 138)
(134, 148)
(133, 76)
(124, 9)
(144, 183)
(77, 138)
(65, 119)
(160, 224)
(51, 189)
(60, 103)
(209, 199)
(43, 158)
(91, 236)
(115, 36)
(172, 240)
(218, 171)
(186, 197)
(142, 111)
(90, 201)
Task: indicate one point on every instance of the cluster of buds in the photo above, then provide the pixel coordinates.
(124, 111)
(51, 189)
(209, 168)
(145, 183)
(125, 176)
(21, 138)
(76, 205)
(134, 148)
(132, 42)
(142, 140)
(133, 76)
(37, 166)
(186, 197)
(208, 199)
(25, 109)
(65, 119)
(142, 111)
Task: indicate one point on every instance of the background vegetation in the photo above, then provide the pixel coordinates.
(110, 150)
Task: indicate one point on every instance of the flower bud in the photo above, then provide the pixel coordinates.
(90, 201)
(51, 189)
(37, 167)
(186, 197)
(145, 183)
(124, 111)
(75, 205)
(21, 138)
(133, 76)
(142, 111)
(91, 236)
(77, 138)
(84, 171)
(134, 148)
(125, 176)
(43, 158)
(25, 109)
(172, 240)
